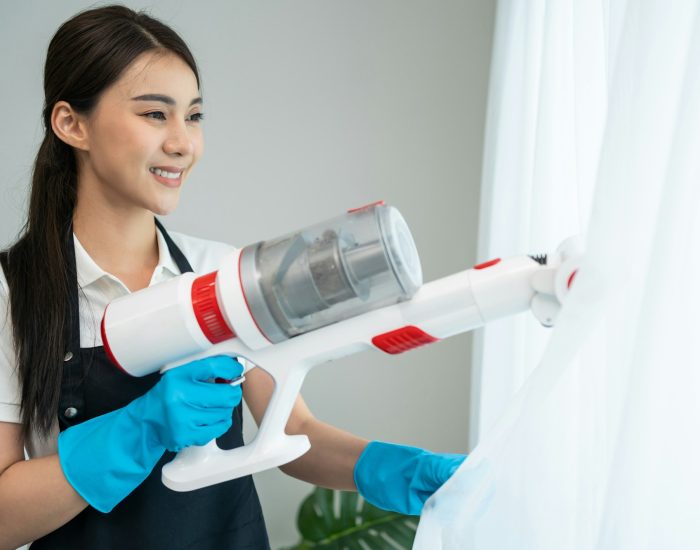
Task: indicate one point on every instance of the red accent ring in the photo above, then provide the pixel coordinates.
(207, 311)
(571, 278)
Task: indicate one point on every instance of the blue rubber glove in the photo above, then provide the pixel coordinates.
(400, 478)
(107, 457)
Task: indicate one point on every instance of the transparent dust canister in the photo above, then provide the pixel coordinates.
(331, 271)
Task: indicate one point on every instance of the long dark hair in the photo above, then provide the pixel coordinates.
(88, 53)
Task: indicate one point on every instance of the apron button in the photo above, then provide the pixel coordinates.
(70, 412)
(68, 356)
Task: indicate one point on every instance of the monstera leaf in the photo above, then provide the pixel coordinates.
(338, 520)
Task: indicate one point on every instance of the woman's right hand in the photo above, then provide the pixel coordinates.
(185, 408)
(107, 457)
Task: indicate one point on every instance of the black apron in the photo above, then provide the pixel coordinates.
(223, 516)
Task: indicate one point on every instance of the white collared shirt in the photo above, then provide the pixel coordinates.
(97, 289)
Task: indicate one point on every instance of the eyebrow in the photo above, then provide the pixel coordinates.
(164, 99)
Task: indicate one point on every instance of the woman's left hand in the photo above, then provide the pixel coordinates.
(401, 478)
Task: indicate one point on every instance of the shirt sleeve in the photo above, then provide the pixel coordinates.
(9, 380)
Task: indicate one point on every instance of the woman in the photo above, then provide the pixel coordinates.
(122, 117)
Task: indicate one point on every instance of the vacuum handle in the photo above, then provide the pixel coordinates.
(200, 466)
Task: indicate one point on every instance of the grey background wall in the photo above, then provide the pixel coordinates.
(313, 107)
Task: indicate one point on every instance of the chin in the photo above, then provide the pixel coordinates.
(164, 209)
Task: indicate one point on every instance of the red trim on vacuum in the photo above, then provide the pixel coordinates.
(207, 311)
(403, 339)
(366, 206)
(105, 344)
(487, 264)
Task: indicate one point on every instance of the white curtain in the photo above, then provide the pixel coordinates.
(588, 434)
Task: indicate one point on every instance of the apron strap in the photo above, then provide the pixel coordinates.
(182, 264)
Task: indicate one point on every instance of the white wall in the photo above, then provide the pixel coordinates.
(313, 107)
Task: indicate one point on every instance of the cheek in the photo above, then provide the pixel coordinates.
(198, 147)
(123, 146)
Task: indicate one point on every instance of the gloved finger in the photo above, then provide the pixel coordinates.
(207, 417)
(209, 368)
(184, 425)
(442, 467)
(213, 396)
(205, 434)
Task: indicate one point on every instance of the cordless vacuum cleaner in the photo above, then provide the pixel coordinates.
(288, 304)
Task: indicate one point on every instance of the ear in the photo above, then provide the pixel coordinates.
(69, 126)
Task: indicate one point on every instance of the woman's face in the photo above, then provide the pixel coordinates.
(144, 135)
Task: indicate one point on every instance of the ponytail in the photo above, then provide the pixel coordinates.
(35, 269)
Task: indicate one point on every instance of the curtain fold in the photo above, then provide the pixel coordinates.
(547, 107)
(586, 433)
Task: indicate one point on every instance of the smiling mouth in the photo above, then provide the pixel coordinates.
(165, 174)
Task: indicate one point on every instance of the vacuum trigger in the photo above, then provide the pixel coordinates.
(233, 381)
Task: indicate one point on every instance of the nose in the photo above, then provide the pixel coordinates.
(178, 141)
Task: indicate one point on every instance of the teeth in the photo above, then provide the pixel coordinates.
(164, 174)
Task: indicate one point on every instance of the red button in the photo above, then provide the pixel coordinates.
(403, 339)
(487, 264)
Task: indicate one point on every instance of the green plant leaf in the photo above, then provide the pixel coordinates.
(339, 520)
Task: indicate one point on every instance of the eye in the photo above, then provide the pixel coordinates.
(196, 117)
(156, 115)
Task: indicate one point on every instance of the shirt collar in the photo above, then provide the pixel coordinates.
(89, 272)
(165, 259)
